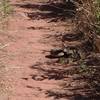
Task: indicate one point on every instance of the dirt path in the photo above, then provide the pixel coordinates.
(27, 73)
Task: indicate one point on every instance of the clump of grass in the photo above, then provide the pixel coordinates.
(5, 8)
(97, 14)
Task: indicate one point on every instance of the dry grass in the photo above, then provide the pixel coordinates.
(90, 12)
(5, 10)
(88, 20)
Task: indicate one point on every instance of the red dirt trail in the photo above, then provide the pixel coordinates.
(25, 49)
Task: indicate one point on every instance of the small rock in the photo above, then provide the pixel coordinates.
(61, 54)
(38, 78)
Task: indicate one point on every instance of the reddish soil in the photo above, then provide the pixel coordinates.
(24, 57)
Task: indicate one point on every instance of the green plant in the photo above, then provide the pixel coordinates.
(5, 11)
(5, 8)
(63, 60)
(97, 14)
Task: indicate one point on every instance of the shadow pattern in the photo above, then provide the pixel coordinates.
(70, 92)
(54, 11)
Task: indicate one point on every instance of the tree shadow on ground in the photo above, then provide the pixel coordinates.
(76, 96)
(54, 11)
(75, 89)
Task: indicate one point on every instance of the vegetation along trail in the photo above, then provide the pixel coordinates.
(27, 73)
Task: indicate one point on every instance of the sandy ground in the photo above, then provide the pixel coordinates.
(23, 58)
